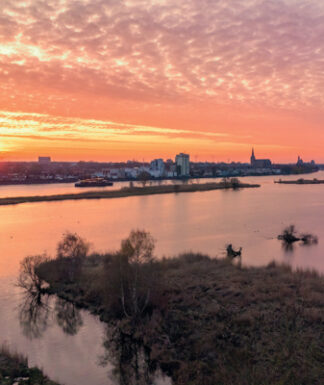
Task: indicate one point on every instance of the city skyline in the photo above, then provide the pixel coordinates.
(98, 80)
(157, 156)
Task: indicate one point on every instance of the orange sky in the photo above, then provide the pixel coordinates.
(136, 79)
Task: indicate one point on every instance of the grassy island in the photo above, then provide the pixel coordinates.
(129, 191)
(14, 370)
(300, 181)
(201, 320)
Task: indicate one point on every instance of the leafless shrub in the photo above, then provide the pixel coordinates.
(144, 177)
(290, 236)
(309, 239)
(235, 182)
(72, 246)
(28, 278)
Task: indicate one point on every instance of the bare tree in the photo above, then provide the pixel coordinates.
(235, 182)
(136, 257)
(72, 250)
(72, 246)
(28, 278)
(143, 177)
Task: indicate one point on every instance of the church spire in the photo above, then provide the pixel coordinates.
(252, 157)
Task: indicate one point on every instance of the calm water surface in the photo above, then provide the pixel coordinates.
(205, 222)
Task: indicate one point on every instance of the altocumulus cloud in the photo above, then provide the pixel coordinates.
(266, 52)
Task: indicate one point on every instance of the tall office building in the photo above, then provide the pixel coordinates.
(183, 164)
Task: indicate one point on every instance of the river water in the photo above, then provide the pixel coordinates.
(202, 221)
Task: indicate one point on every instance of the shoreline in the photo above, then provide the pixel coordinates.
(300, 181)
(127, 192)
(152, 179)
(14, 369)
(215, 309)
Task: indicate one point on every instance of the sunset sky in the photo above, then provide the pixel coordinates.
(114, 80)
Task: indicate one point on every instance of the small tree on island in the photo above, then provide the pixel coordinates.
(136, 277)
(144, 177)
(28, 278)
(235, 182)
(71, 250)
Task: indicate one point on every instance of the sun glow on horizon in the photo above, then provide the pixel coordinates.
(211, 78)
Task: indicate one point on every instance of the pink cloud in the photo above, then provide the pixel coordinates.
(252, 67)
(256, 51)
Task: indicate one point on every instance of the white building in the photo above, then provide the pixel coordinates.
(183, 164)
(115, 173)
(157, 168)
(131, 172)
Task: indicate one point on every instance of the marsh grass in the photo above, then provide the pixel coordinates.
(16, 360)
(14, 369)
(213, 323)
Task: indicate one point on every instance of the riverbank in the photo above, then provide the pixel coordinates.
(14, 370)
(213, 322)
(129, 191)
(37, 182)
(300, 181)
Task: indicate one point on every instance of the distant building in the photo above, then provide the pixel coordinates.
(170, 169)
(260, 163)
(157, 168)
(300, 162)
(183, 164)
(44, 159)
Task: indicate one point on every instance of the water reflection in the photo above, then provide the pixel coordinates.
(127, 361)
(288, 247)
(68, 317)
(36, 314)
(306, 240)
(130, 359)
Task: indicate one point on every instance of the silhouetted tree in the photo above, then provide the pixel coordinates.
(28, 278)
(71, 250)
(143, 177)
(136, 255)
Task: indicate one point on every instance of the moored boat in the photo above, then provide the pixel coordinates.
(94, 182)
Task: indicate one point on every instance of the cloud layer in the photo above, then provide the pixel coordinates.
(98, 56)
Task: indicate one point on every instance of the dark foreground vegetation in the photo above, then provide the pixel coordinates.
(14, 370)
(201, 320)
(131, 191)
